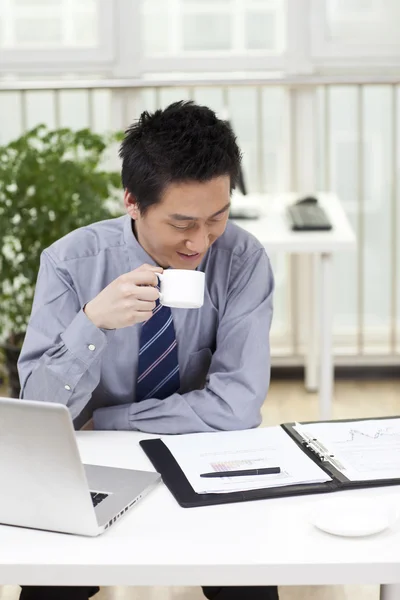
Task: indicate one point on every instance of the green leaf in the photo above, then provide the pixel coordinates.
(51, 182)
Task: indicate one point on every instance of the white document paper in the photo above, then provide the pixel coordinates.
(198, 453)
(362, 450)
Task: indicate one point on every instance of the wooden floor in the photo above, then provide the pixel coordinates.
(287, 402)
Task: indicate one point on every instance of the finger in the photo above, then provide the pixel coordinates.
(141, 278)
(148, 293)
(144, 306)
(146, 267)
(132, 292)
(141, 317)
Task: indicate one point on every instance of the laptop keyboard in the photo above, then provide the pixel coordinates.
(98, 497)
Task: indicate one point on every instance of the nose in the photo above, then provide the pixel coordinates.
(199, 241)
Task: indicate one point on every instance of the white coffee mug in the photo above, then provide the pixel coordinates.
(181, 288)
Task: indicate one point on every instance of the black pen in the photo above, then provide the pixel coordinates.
(265, 471)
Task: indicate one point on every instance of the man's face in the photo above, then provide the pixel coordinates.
(178, 231)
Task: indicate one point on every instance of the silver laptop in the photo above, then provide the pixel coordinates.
(44, 484)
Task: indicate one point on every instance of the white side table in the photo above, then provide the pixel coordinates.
(273, 231)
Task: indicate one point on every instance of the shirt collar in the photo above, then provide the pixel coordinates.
(137, 254)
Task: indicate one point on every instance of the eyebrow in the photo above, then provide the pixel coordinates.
(179, 217)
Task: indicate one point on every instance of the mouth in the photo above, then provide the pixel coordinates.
(189, 257)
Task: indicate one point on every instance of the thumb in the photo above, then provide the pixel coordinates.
(154, 269)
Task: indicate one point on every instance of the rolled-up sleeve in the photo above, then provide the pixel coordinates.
(60, 360)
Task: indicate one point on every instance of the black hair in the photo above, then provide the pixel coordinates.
(182, 143)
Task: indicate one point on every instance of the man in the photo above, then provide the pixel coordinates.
(97, 329)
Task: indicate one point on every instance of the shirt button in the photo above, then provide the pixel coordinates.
(67, 387)
(92, 347)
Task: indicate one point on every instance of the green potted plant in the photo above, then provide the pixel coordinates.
(51, 182)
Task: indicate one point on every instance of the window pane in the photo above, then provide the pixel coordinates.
(176, 27)
(155, 27)
(36, 3)
(43, 32)
(202, 3)
(206, 32)
(40, 24)
(341, 144)
(367, 278)
(261, 31)
(377, 145)
(85, 30)
(363, 21)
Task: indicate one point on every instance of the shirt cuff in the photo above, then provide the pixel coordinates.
(84, 339)
(112, 417)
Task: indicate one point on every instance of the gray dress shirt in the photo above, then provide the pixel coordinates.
(223, 347)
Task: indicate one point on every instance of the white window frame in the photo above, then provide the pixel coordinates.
(120, 53)
(218, 61)
(327, 54)
(79, 59)
(296, 59)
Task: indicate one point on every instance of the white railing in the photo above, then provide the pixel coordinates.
(302, 134)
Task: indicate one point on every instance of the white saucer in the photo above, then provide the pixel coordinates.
(353, 516)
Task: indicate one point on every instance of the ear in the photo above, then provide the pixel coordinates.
(131, 206)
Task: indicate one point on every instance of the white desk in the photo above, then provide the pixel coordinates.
(267, 542)
(274, 233)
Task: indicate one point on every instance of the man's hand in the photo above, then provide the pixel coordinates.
(127, 300)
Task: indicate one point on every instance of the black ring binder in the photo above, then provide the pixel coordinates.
(323, 454)
(177, 483)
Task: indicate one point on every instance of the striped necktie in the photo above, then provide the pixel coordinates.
(158, 368)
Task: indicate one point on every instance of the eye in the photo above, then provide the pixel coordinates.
(219, 217)
(181, 228)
